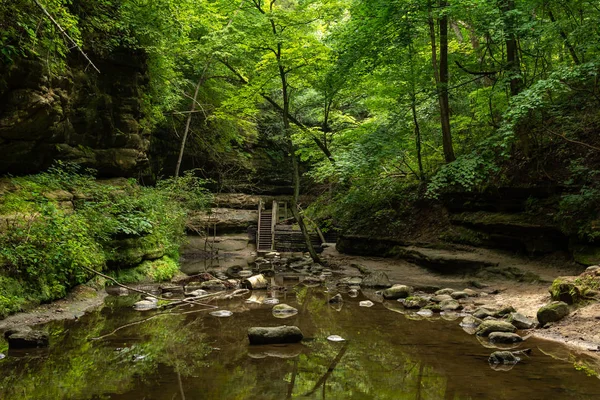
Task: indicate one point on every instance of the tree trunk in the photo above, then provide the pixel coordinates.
(513, 64)
(295, 166)
(443, 87)
(565, 38)
(413, 108)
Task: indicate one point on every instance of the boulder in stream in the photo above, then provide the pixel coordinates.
(213, 284)
(505, 337)
(503, 357)
(459, 295)
(483, 313)
(274, 335)
(438, 298)
(552, 312)
(447, 291)
(397, 292)
(26, 338)
(450, 305)
(490, 326)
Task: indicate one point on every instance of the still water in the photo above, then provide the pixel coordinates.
(119, 353)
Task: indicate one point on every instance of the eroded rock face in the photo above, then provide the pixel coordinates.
(79, 116)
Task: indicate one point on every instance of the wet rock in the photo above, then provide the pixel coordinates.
(271, 301)
(490, 326)
(335, 338)
(504, 311)
(284, 311)
(26, 338)
(213, 284)
(483, 313)
(397, 292)
(377, 279)
(274, 335)
(447, 291)
(470, 320)
(504, 337)
(470, 292)
(503, 357)
(353, 293)
(245, 273)
(424, 312)
(415, 302)
(441, 297)
(221, 313)
(336, 299)
(255, 282)
(434, 307)
(234, 271)
(197, 293)
(520, 321)
(459, 295)
(552, 312)
(450, 305)
(174, 289)
(144, 305)
(366, 303)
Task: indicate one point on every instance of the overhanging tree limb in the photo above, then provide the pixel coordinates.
(292, 119)
(65, 34)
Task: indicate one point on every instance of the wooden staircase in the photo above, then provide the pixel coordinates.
(264, 235)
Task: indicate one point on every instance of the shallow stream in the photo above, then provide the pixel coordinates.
(117, 352)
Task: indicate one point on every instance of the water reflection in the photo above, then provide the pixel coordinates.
(119, 353)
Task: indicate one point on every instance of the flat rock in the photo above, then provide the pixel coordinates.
(377, 279)
(448, 291)
(27, 338)
(520, 321)
(213, 284)
(450, 305)
(504, 337)
(483, 313)
(274, 335)
(441, 297)
(490, 326)
(503, 357)
(470, 320)
(470, 292)
(459, 295)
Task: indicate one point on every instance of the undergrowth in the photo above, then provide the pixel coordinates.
(54, 222)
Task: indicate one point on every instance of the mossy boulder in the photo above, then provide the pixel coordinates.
(397, 292)
(275, 335)
(415, 302)
(490, 326)
(504, 337)
(566, 289)
(552, 312)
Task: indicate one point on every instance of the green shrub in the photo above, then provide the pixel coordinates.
(112, 225)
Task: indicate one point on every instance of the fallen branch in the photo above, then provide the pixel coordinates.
(190, 301)
(65, 34)
(573, 141)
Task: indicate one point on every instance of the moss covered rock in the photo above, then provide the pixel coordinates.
(490, 326)
(566, 289)
(552, 312)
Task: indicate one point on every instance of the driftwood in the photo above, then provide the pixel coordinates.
(66, 35)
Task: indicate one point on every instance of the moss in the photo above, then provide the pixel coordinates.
(586, 255)
(160, 270)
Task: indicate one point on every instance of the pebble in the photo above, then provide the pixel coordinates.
(271, 300)
(221, 313)
(335, 338)
(366, 303)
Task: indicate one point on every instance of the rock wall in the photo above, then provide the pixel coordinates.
(81, 116)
